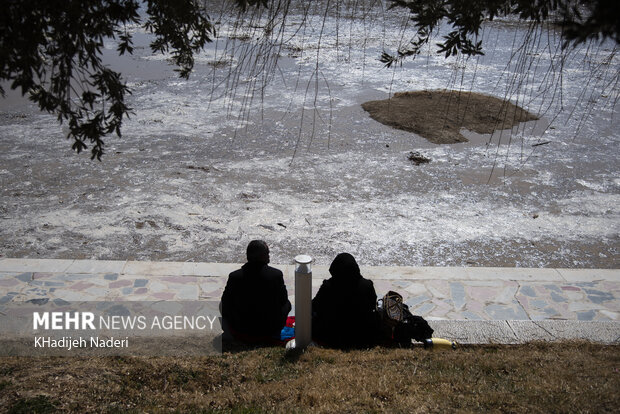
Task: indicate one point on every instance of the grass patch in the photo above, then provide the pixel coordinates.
(538, 377)
(38, 404)
(4, 384)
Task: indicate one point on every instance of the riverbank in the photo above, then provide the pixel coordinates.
(559, 377)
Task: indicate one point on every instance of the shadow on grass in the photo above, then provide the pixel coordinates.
(39, 404)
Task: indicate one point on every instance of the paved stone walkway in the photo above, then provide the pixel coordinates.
(472, 296)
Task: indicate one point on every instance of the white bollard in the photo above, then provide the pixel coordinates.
(303, 301)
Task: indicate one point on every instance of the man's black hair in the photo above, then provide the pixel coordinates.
(258, 251)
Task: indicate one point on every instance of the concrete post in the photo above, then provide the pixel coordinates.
(303, 301)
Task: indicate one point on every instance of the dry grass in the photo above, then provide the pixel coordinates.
(565, 377)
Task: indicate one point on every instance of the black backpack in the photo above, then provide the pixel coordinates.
(399, 326)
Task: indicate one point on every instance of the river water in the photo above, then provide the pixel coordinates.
(286, 154)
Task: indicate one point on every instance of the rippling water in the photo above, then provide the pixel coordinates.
(208, 164)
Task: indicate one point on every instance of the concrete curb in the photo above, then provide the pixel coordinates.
(125, 267)
(519, 332)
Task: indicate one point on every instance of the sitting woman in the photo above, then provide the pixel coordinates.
(344, 309)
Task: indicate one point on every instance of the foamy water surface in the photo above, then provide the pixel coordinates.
(208, 164)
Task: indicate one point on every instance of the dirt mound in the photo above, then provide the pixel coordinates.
(439, 116)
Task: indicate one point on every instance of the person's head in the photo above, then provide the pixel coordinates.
(344, 267)
(258, 252)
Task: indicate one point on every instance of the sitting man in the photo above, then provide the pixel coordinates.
(255, 301)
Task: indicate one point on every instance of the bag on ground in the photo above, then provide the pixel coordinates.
(399, 325)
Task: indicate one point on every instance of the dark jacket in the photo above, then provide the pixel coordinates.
(343, 310)
(255, 301)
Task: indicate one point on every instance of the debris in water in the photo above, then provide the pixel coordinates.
(418, 158)
(192, 167)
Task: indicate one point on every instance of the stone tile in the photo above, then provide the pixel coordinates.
(411, 273)
(511, 273)
(507, 294)
(383, 286)
(24, 277)
(586, 316)
(540, 290)
(485, 283)
(212, 295)
(597, 296)
(442, 293)
(476, 307)
(96, 266)
(99, 292)
(5, 299)
(558, 298)
(547, 313)
(187, 292)
(439, 288)
(586, 284)
(506, 312)
(482, 294)
(73, 276)
(528, 291)
(538, 303)
(582, 306)
(579, 275)
(424, 309)
(564, 312)
(153, 268)
(42, 275)
(614, 316)
(73, 296)
(9, 283)
(610, 286)
(140, 282)
(157, 286)
(554, 288)
(401, 284)
(211, 290)
(163, 295)
(470, 315)
(182, 280)
(416, 289)
(48, 283)
(416, 300)
(574, 296)
(81, 285)
(121, 283)
(441, 309)
(457, 291)
(210, 269)
(134, 298)
(34, 265)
